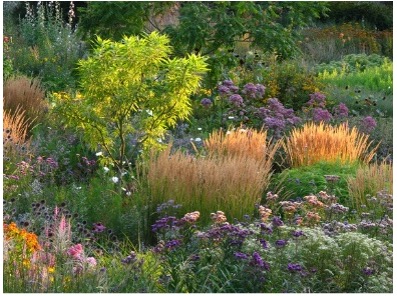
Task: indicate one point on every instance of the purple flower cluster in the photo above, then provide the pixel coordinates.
(294, 267)
(227, 88)
(316, 100)
(367, 124)
(168, 208)
(240, 255)
(277, 222)
(165, 223)
(280, 243)
(206, 102)
(235, 234)
(236, 100)
(258, 261)
(341, 111)
(172, 244)
(320, 114)
(368, 271)
(297, 233)
(130, 258)
(254, 91)
(276, 117)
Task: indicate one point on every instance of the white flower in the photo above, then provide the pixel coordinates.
(199, 128)
(197, 140)
(99, 153)
(124, 173)
(150, 112)
(115, 179)
(231, 117)
(159, 140)
(106, 169)
(128, 193)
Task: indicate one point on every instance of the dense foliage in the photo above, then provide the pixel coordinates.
(197, 147)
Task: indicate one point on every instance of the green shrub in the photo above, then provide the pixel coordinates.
(131, 92)
(302, 181)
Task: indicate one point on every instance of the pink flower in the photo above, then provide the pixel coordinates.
(76, 251)
(91, 261)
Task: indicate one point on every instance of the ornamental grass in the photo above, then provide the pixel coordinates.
(323, 142)
(368, 181)
(231, 177)
(15, 133)
(26, 94)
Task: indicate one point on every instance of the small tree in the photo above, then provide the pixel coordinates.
(131, 92)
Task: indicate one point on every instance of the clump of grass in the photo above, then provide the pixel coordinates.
(242, 142)
(368, 181)
(323, 142)
(230, 178)
(15, 133)
(27, 94)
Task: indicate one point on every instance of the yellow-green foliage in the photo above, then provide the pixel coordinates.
(131, 87)
(368, 181)
(230, 178)
(323, 142)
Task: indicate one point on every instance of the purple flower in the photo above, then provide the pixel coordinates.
(341, 111)
(297, 233)
(206, 102)
(263, 243)
(172, 244)
(258, 261)
(294, 267)
(98, 227)
(224, 90)
(321, 115)
(228, 83)
(316, 100)
(277, 222)
(266, 229)
(260, 91)
(130, 258)
(164, 223)
(368, 271)
(236, 100)
(367, 124)
(240, 255)
(280, 243)
(250, 90)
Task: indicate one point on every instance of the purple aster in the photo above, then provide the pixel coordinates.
(206, 102)
(280, 243)
(250, 90)
(260, 91)
(294, 267)
(228, 83)
(224, 90)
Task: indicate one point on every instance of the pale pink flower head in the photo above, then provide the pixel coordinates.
(76, 251)
(90, 261)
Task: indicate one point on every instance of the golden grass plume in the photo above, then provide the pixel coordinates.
(323, 142)
(231, 177)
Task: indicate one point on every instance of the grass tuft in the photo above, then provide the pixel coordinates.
(323, 142)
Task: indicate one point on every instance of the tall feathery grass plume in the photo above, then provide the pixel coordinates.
(231, 177)
(323, 142)
(25, 93)
(368, 181)
(16, 141)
